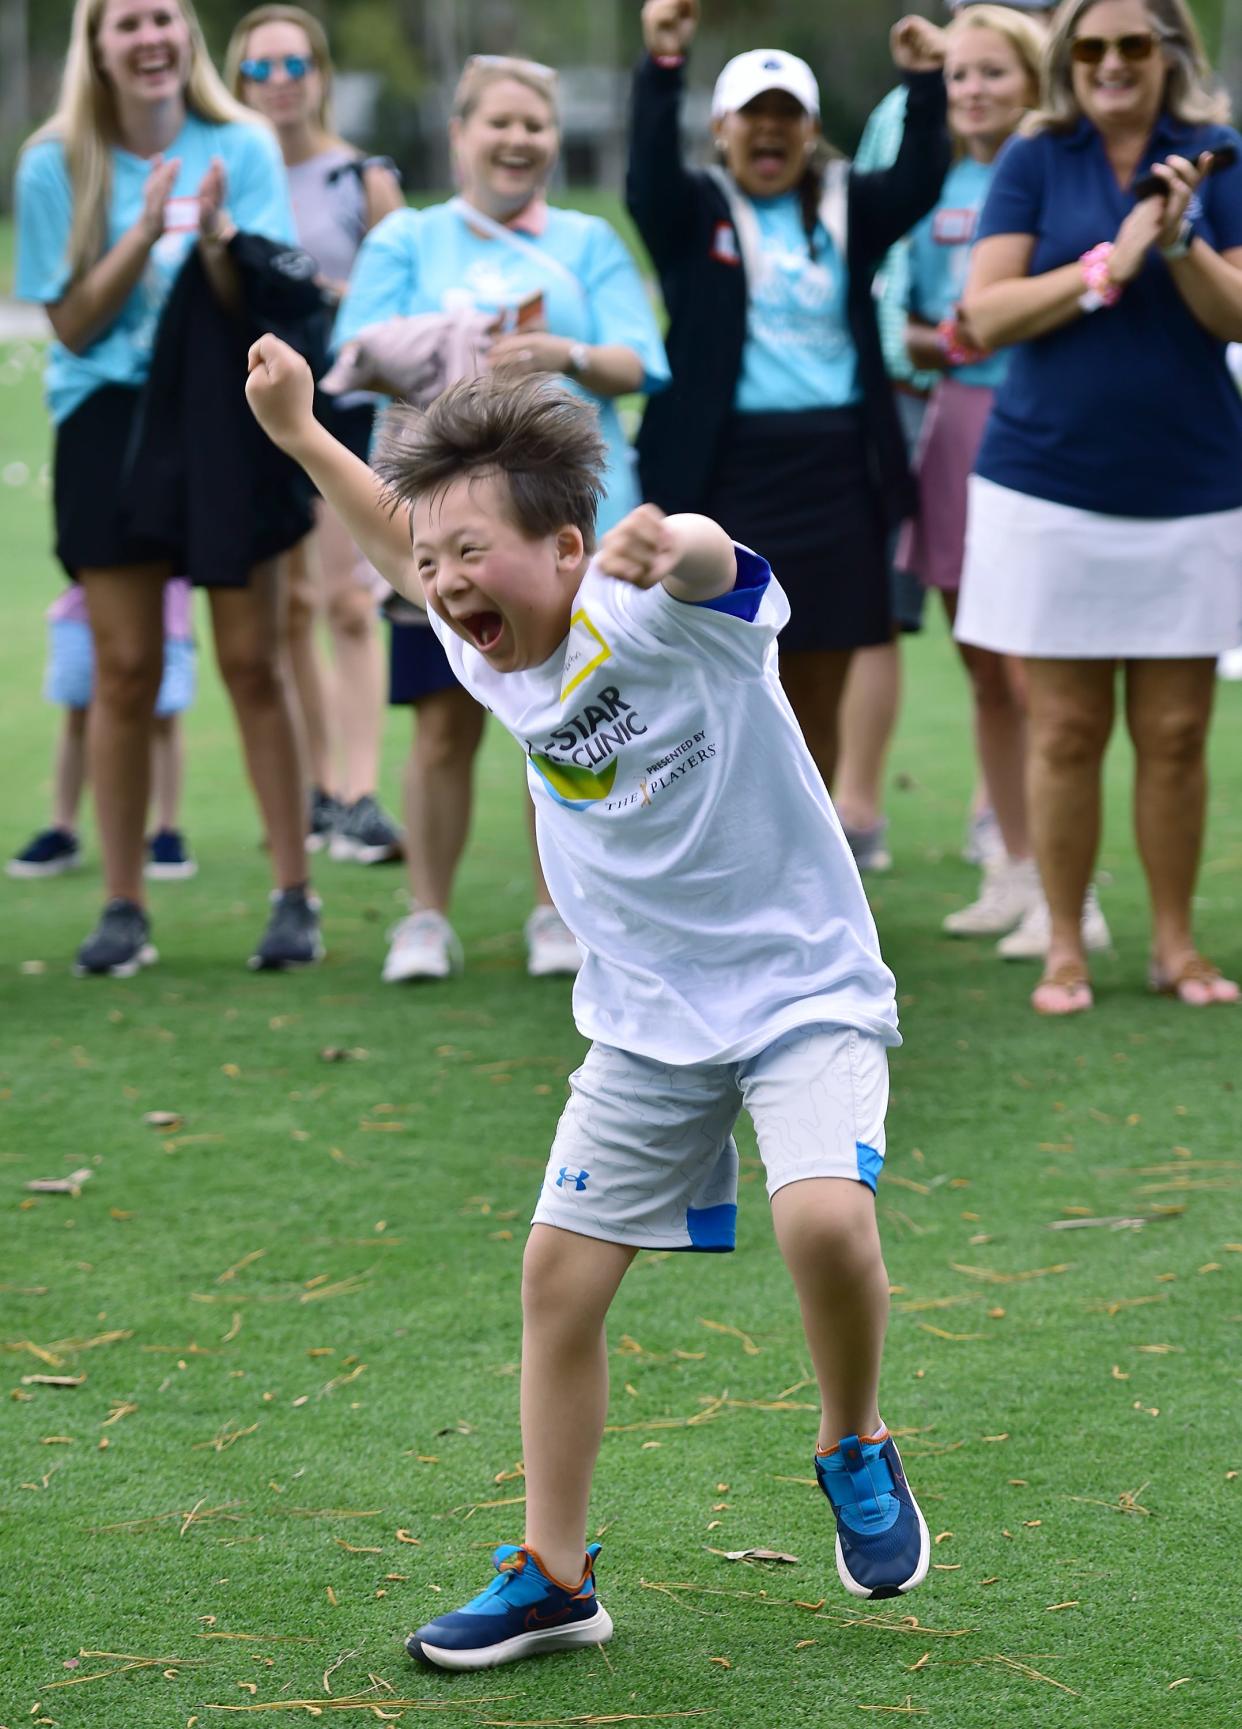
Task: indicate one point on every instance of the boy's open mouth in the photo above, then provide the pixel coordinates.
(483, 629)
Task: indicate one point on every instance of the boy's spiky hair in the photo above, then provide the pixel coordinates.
(540, 436)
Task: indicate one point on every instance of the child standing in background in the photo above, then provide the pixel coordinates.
(69, 682)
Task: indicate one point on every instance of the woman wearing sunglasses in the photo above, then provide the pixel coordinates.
(146, 162)
(567, 300)
(1105, 521)
(278, 63)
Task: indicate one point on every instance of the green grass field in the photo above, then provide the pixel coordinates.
(291, 1320)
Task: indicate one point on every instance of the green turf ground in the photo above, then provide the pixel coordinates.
(294, 1316)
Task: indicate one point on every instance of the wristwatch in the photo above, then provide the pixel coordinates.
(1181, 246)
(578, 359)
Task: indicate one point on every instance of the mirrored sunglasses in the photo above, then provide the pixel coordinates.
(1090, 50)
(296, 66)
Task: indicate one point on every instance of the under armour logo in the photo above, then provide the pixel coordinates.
(579, 1179)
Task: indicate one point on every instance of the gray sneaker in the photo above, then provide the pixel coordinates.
(870, 847)
(292, 936)
(366, 833)
(119, 944)
(322, 819)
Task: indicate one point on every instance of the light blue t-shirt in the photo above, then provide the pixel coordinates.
(432, 260)
(256, 197)
(798, 351)
(940, 258)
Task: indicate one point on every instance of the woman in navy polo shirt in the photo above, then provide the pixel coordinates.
(1106, 507)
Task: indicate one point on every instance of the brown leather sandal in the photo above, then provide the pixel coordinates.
(1196, 982)
(1066, 990)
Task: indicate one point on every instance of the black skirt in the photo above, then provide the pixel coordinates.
(795, 488)
(417, 665)
(93, 447)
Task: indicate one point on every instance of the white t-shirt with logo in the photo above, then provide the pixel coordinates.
(685, 833)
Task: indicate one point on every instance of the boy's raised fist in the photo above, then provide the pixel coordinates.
(280, 391)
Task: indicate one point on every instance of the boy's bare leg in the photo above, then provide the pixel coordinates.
(69, 773)
(828, 1238)
(568, 1283)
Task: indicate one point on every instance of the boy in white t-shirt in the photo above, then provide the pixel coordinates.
(730, 957)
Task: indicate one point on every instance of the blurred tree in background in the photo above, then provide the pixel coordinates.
(410, 51)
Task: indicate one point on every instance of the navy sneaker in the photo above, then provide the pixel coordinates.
(882, 1543)
(521, 1613)
(168, 857)
(50, 854)
(292, 936)
(119, 944)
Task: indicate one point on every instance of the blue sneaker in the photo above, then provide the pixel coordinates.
(49, 854)
(882, 1542)
(521, 1613)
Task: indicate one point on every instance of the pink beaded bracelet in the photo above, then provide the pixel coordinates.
(950, 344)
(1095, 274)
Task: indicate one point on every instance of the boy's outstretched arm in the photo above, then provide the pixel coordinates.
(281, 394)
(691, 555)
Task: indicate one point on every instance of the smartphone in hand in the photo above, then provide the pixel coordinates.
(1152, 186)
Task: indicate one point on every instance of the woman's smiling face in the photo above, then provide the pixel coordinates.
(284, 100)
(1119, 92)
(989, 87)
(142, 48)
(506, 147)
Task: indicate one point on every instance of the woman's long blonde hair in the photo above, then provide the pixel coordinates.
(1022, 34)
(317, 40)
(1191, 95)
(85, 123)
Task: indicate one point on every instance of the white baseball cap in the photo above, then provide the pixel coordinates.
(749, 75)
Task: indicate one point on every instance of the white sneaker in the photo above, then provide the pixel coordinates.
(983, 844)
(1010, 889)
(1030, 941)
(422, 946)
(551, 946)
(1230, 664)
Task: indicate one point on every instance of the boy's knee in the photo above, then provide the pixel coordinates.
(832, 1218)
(544, 1271)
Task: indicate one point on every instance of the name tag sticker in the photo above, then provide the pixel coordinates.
(954, 227)
(181, 216)
(724, 244)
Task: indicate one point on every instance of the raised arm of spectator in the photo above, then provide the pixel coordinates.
(659, 189)
(886, 203)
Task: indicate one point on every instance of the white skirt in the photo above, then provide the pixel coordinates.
(1057, 583)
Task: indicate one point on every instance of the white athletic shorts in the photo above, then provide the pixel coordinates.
(644, 1152)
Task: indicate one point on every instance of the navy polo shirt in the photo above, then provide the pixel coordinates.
(1131, 410)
